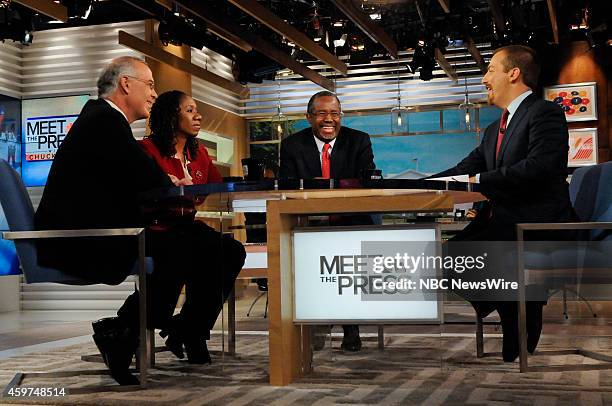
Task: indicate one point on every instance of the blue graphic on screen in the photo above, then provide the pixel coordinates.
(10, 151)
(45, 124)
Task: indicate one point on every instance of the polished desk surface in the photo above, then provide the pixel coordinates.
(218, 194)
(288, 185)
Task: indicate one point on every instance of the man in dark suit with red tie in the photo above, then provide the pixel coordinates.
(329, 150)
(348, 151)
(521, 166)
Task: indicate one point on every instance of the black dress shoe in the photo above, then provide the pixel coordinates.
(351, 341)
(174, 332)
(117, 344)
(195, 345)
(197, 351)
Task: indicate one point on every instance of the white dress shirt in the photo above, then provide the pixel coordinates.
(113, 105)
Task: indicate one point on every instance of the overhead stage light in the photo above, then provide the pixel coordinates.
(178, 31)
(423, 60)
(15, 26)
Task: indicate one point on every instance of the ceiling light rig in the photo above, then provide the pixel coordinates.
(467, 110)
(372, 10)
(423, 60)
(15, 25)
(78, 9)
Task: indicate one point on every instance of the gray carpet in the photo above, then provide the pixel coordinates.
(411, 370)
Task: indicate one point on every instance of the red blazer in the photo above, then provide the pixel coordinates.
(201, 169)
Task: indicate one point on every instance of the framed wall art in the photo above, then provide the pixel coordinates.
(578, 100)
(582, 147)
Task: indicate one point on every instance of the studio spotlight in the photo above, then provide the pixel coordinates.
(78, 8)
(28, 37)
(423, 60)
(178, 31)
(340, 42)
(356, 43)
(15, 26)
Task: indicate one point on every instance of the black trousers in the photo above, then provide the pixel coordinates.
(484, 228)
(195, 256)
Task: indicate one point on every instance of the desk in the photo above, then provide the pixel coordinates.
(290, 354)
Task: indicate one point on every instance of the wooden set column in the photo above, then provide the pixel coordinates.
(167, 77)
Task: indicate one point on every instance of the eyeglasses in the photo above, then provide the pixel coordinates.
(324, 114)
(149, 83)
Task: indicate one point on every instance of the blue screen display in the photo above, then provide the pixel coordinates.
(10, 151)
(9, 264)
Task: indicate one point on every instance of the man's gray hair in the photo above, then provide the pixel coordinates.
(118, 67)
(323, 93)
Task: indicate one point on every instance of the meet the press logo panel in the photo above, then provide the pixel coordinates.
(44, 135)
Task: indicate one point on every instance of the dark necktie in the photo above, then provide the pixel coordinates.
(325, 171)
(502, 130)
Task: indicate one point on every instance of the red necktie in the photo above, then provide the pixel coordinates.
(502, 130)
(325, 161)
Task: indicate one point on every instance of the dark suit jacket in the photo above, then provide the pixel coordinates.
(527, 181)
(352, 152)
(95, 181)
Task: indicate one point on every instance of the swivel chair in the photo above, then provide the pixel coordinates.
(588, 261)
(591, 196)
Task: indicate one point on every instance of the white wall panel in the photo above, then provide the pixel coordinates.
(68, 61)
(208, 93)
(10, 69)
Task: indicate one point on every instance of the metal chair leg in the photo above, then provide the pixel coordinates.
(151, 337)
(255, 301)
(266, 309)
(582, 298)
(231, 321)
(145, 345)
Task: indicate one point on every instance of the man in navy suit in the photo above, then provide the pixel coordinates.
(521, 166)
(329, 150)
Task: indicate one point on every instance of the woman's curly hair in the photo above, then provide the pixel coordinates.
(164, 122)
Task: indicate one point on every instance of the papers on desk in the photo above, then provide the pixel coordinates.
(456, 178)
(249, 205)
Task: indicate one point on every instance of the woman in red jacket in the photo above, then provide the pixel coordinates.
(175, 123)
